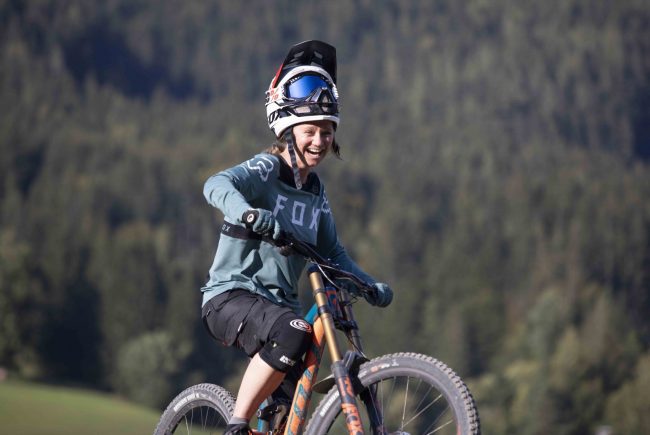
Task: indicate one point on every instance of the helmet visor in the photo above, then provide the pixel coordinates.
(304, 86)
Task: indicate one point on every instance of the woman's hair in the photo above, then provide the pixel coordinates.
(280, 144)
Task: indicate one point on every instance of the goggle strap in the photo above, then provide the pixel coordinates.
(288, 137)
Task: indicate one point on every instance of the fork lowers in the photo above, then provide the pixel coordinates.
(339, 370)
(348, 401)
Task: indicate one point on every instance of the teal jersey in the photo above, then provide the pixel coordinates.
(266, 182)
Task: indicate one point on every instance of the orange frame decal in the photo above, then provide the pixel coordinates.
(301, 399)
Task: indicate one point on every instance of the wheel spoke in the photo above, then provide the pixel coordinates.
(187, 426)
(406, 395)
(440, 427)
(433, 402)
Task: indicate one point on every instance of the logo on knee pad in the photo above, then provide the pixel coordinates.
(287, 361)
(301, 325)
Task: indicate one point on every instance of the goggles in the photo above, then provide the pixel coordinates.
(304, 86)
(311, 94)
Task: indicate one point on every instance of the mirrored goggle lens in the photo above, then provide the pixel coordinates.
(305, 86)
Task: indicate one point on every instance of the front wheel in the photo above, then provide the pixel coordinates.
(415, 394)
(200, 409)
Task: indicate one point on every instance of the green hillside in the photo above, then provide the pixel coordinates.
(34, 409)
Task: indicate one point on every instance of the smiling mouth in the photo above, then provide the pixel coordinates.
(315, 151)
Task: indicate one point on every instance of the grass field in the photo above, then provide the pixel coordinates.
(31, 409)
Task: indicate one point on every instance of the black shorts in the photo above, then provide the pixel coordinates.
(242, 319)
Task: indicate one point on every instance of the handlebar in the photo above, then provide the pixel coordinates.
(288, 244)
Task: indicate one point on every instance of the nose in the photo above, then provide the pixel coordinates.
(317, 139)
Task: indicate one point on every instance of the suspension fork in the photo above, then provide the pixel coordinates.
(340, 372)
(368, 395)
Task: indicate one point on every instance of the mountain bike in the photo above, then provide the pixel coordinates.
(401, 393)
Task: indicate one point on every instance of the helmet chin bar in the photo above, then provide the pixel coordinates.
(288, 137)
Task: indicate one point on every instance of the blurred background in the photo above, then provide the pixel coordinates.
(496, 172)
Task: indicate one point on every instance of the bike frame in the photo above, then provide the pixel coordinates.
(324, 333)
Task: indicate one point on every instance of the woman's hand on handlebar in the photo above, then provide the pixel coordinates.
(262, 222)
(287, 243)
(379, 294)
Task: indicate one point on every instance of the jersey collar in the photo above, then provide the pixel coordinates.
(312, 185)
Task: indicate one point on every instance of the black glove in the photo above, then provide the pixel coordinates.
(264, 223)
(381, 295)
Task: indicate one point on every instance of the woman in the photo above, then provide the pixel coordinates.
(250, 300)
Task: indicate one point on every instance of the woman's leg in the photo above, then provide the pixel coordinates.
(288, 340)
(260, 380)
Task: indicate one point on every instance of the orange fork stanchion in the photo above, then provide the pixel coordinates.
(343, 382)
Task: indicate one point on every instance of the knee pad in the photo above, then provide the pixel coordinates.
(288, 340)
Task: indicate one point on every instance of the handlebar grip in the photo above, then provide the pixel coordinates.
(250, 217)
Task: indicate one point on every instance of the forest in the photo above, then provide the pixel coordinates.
(495, 171)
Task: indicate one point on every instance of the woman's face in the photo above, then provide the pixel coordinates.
(313, 142)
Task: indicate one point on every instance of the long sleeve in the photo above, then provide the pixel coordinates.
(341, 257)
(232, 190)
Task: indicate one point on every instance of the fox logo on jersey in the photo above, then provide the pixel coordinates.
(262, 165)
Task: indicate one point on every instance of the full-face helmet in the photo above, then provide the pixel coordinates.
(304, 88)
